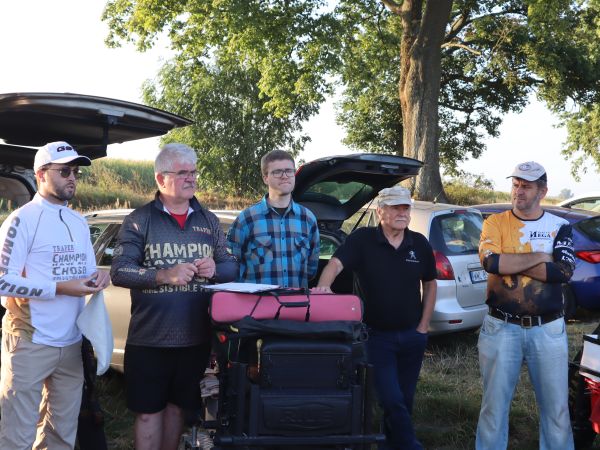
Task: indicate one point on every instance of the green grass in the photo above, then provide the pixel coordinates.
(450, 388)
(118, 420)
(115, 183)
(446, 406)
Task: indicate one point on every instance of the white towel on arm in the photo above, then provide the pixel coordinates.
(95, 325)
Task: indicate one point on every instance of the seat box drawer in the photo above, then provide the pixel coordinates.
(315, 364)
(318, 414)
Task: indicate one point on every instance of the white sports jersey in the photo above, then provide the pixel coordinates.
(42, 244)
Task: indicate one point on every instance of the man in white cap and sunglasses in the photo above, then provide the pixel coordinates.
(47, 267)
(394, 269)
(528, 254)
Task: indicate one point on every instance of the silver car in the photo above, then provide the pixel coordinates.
(453, 232)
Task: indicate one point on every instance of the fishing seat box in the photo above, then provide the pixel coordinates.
(306, 386)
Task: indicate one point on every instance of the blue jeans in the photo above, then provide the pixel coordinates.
(502, 349)
(397, 357)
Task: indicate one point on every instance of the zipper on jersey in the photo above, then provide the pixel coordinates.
(65, 223)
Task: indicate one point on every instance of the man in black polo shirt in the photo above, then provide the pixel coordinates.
(395, 273)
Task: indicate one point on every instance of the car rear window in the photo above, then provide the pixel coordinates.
(590, 227)
(456, 233)
(336, 193)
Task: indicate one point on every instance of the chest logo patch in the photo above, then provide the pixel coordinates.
(540, 235)
(412, 257)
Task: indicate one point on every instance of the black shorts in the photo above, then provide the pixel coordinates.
(155, 376)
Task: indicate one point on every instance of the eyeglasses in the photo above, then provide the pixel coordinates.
(278, 173)
(183, 174)
(66, 172)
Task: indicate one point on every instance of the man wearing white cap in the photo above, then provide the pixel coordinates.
(527, 253)
(47, 266)
(396, 278)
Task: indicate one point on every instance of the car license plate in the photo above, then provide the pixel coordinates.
(478, 276)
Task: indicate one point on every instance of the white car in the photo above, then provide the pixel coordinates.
(589, 201)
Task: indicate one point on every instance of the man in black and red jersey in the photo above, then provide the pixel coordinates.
(167, 250)
(528, 253)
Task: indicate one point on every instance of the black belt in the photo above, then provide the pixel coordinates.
(523, 320)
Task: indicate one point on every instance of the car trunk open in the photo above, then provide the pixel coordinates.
(89, 123)
(336, 187)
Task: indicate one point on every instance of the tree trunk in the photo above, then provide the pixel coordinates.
(419, 89)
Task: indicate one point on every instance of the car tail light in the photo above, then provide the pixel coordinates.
(591, 256)
(443, 266)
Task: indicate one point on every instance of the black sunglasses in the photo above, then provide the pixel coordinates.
(66, 172)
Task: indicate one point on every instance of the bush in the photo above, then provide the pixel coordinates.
(460, 193)
(117, 183)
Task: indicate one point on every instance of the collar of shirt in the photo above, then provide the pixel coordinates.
(194, 204)
(266, 208)
(407, 241)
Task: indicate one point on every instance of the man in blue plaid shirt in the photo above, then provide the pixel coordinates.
(276, 241)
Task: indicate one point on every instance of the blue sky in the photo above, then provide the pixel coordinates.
(58, 46)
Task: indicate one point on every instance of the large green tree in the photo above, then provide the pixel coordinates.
(244, 100)
(427, 79)
(232, 129)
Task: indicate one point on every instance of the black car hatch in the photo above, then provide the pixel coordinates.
(336, 187)
(89, 123)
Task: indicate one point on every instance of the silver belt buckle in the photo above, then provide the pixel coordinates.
(526, 321)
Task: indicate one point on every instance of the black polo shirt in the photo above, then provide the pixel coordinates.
(387, 279)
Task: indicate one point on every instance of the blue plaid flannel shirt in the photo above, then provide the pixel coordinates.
(273, 248)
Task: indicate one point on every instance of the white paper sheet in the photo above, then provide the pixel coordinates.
(242, 287)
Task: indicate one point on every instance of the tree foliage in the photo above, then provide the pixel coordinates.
(565, 194)
(493, 55)
(239, 73)
(231, 130)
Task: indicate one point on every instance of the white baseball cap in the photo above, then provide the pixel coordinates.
(396, 195)
(59, 153)
(529, 171)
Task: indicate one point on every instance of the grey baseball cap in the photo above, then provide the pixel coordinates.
(529, 171)
(396, 195)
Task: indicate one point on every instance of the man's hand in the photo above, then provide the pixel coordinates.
(517, 263)
(206, 267)
(328, 275)
(178, 275)
(321, 290)
(423, 329)
(84, 286)
(100, 279)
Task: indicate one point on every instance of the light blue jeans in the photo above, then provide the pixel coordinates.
(502, 349)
